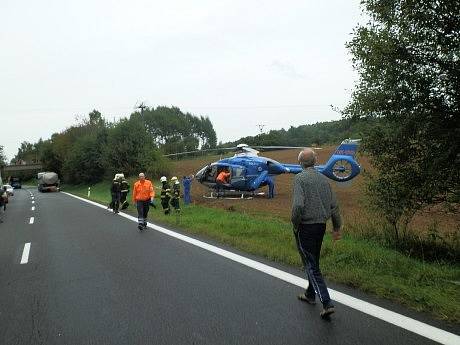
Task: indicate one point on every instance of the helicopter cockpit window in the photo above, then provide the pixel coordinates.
(210, 174)
(237, 172)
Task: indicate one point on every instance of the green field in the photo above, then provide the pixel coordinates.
(427, 287)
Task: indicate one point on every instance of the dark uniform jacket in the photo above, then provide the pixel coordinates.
(165, 190)
(116, 187)
(124, 186)
(176, 190)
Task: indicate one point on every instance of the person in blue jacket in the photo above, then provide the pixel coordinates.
(187, 183)
(271, 187)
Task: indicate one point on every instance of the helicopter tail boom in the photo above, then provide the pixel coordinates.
(340, 167)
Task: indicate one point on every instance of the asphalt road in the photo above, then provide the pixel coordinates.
(92, 278)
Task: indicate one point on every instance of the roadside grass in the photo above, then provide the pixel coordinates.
(360, 263)
(31, 182)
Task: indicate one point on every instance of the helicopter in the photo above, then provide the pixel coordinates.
(249, 171)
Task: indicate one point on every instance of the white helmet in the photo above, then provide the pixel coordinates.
(163, 179)
(174, 178)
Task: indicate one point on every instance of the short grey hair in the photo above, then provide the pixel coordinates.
(307, 158)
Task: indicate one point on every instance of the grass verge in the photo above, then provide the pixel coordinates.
(363, 264)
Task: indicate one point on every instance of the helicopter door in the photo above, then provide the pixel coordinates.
(238, 179)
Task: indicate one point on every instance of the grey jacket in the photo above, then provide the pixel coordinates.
(313, 200)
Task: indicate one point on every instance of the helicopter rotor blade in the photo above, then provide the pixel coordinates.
(199, 151)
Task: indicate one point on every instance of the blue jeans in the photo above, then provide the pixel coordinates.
(309, 239)
(187, 197)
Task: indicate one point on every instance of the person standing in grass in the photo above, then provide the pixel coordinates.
(124, 192)
(187, 183)
(175, 197)
(143, 195)
(313, 203)
(165, 195)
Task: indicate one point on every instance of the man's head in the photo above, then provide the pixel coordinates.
(307, 158)
(142, 176)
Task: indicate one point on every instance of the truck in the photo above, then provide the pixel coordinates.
(48, 182)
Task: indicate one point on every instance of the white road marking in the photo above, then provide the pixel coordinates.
(25, 254)
(31, 221)
(33, 208)
(33, 202)
(412, 325)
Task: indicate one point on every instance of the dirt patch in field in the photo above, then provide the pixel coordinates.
(350, 196)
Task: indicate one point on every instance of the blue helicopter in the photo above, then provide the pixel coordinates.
(249, 172)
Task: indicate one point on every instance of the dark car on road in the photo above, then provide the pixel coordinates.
(15, 182)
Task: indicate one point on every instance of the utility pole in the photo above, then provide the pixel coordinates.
(141, 106)
(261, 128)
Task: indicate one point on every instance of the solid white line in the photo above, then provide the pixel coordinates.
(389, 316)
(33, 208)
(31, 221)
(25, 254)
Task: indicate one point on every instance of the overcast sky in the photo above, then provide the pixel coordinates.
(242, 63)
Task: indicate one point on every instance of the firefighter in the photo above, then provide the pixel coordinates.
(124, 192)
(175, 193)
(165, 194)
(115, 191)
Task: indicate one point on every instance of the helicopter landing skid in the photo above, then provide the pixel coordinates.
(233, 195)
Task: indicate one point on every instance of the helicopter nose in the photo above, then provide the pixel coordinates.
(200, 173)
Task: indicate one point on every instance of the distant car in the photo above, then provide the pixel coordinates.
(9, 189)
(15, 183)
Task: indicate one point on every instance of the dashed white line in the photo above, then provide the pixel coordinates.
(25, 254)
(33, 208)
(32, 219)
(33, 202)
(412, 325)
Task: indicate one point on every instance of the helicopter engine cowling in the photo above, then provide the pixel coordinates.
(276, 168)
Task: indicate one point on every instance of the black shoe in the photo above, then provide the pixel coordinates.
(309, 299)
(140, 227)
(145, 225)
(327, 311)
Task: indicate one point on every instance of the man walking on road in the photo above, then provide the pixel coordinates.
(313, 203)
(143, 194)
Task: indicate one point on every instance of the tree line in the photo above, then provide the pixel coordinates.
(95, 148)
(321, 133)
